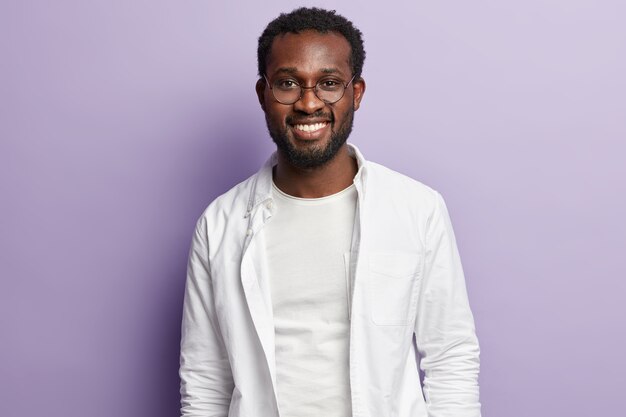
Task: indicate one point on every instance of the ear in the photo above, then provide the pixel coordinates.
(359, 90)
(260, 92)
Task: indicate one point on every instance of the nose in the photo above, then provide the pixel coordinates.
(309, 102)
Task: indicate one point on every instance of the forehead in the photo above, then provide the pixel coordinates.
(310, 52)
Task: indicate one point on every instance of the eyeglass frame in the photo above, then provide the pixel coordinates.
(302, 88)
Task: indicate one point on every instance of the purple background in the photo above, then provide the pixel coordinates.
(120, 121)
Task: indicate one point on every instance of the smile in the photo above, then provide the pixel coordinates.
(310, 127)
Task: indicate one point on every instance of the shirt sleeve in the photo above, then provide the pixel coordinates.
(444, 330)
(206, 378)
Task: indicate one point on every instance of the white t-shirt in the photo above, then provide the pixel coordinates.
(308, 243)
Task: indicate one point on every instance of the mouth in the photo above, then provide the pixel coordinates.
(310, 131)
(313, 127)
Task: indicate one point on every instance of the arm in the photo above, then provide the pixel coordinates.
(206, 378)
(444, 329)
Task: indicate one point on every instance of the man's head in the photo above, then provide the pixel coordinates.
(320, 54)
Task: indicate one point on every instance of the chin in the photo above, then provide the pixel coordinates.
(311, 152)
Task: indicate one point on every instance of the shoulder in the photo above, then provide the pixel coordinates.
(385, 182)
(230, 205)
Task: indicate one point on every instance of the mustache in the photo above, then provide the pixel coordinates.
(294, 120)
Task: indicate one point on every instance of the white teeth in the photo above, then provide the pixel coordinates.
(311, 128)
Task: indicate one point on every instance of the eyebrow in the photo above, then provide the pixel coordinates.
(294, 70)
(288, 70)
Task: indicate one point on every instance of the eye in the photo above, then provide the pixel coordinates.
(330, 85)
(286, 84)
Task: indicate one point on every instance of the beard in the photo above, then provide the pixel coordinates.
(314, 157)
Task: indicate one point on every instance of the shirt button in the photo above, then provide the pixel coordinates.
(269, 205)
(248, 232)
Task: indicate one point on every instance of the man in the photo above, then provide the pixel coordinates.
(313, 285)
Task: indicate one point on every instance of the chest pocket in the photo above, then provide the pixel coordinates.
(393, 279)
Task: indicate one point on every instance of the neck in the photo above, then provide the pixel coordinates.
(330, 178)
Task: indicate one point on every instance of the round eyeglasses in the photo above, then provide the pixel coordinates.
(288, 91)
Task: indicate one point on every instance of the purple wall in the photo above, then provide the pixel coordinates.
(120, 121)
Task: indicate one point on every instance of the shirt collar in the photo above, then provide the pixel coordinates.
(262, 188)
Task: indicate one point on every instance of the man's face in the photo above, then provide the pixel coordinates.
(309, 132)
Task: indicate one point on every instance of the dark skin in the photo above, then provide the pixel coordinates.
(308, 57)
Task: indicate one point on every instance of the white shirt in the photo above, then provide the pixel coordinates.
(308, 243)
(408, 296)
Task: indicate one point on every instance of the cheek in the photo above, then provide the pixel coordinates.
(342, 115)
(276, 116)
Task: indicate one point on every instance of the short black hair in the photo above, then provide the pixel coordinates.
(313, 18)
